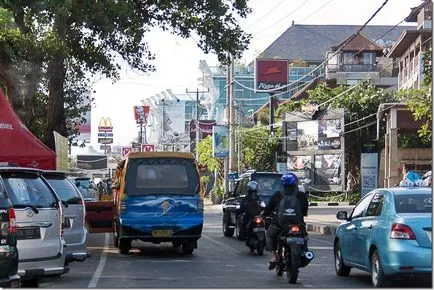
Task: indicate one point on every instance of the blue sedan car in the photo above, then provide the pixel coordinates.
(388, 233)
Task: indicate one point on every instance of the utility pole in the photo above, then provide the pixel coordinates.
(197, 116)
(232, 155)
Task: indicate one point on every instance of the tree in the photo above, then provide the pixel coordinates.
(97, 36)
(420, 100)
(258, 149)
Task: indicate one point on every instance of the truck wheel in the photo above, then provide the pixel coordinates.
(124, 246)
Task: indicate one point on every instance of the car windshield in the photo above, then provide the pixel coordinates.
(268, 184)
(413, 203)
(64, 189)
(26, 189)
(161, 176)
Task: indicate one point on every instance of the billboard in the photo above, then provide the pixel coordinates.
(315, 148)
(105, 129)
(84, 124)
(61, 144)
(220, 141)
(173, 117)
(91, 162)
(141, 114)
(271, 74)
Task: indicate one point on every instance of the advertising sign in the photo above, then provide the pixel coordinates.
(83, 124)
(174, 118)
(147, 148)
(125, 151)
(220, 141)
(368, 167)
(105, 125)
(61, 144)
(141, 114)
(271, 74)
(91, 162)
(205, 128)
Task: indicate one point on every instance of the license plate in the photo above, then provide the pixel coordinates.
(429, 233)
(292, 240)
(259, 229)
(161, 233)
(28, 233)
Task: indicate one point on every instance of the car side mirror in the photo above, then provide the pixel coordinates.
(342, 215)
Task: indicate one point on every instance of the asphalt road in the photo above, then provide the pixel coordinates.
(219, 262)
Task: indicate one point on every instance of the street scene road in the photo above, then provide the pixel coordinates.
(219, 262)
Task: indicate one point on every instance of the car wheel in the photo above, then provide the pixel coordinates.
(378, 278)
(227, 231)
(340, 268)
(187, 251)
(124, 246)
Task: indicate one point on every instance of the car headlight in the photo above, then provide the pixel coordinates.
(263, 204)
(237, 206)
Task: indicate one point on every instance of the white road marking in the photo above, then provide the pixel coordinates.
(101, 264)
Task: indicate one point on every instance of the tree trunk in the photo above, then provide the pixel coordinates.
(55, 106)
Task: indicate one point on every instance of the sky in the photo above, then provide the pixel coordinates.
(177, 59)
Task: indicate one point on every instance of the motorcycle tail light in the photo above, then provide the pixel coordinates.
(294, 229)
(259, 220)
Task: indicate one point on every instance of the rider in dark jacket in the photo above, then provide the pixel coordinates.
(251, 205)
(290, 186)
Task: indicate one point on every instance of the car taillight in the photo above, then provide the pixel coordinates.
(12, 221)
(62, 220)
(400, 231)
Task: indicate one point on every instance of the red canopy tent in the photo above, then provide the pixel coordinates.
(18, 145)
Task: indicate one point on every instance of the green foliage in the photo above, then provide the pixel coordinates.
(258, 149)
(420, 100)
(65, 40)
(358, 104)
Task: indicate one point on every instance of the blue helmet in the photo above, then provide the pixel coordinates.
(289, 178)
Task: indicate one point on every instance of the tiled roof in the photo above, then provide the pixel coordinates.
(359, 42)
(311, 42)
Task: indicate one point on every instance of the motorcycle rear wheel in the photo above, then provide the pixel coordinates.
(293, 262)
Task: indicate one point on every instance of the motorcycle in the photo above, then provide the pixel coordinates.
(256, 235)
(290, 253)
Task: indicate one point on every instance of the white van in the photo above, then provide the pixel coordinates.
(39, 219)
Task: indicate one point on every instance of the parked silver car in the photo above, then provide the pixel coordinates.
(75, 231)
(39, 219)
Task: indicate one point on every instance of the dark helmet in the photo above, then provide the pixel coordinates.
(289, 178)
(252, 186)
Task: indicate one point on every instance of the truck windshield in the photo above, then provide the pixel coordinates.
(162, 175)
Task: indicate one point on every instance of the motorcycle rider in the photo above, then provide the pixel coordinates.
(290, 186)
(251, 205)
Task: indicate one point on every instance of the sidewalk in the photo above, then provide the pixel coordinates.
(324, 224)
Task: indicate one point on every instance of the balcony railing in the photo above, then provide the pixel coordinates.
(357, 68)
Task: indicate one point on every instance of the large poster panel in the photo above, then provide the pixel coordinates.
(220, 141)
(307, 132)
(328, 169)
(329, 134)
(301, 165)
(174, 118)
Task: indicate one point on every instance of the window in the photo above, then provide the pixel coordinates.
(64, 189)
(237, 191)
(361, 206)
(376, 205)
(244, 188)
(413, 203)
(161, 176)
(268, 184)
(28, 189)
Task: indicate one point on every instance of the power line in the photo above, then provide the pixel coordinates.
(266, 14)
(335, 53)
(319, 9)
(283, 18)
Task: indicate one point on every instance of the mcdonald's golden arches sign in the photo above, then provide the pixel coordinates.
(105, 125)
